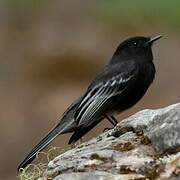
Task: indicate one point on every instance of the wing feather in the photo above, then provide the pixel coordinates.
(92, 106)
(96, 101)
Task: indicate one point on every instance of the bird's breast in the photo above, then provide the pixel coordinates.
(136, 90)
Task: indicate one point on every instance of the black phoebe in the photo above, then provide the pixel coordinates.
(121, 84)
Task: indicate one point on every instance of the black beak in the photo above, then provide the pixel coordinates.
(152, 40)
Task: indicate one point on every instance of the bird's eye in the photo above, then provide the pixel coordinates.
(134, 44)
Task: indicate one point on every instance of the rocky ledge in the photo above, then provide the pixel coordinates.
(143, 146)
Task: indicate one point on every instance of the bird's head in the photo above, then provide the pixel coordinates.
(135, 48)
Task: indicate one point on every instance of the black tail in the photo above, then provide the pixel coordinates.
(41, 145)
(67, 124)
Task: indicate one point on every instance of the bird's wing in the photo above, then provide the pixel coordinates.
(96, 100)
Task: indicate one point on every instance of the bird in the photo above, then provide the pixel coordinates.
(119, 86)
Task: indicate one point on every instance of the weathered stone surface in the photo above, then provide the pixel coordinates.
(145, 145)
(161, 126)
(97, 175)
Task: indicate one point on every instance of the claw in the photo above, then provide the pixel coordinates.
(107, 129)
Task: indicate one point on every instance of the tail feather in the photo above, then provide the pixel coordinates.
(40, 146)
(66, 125)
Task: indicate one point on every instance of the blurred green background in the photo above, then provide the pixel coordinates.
(51, 50)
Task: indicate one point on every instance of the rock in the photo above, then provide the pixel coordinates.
(161, 126)
(143, 146)
(97, 175)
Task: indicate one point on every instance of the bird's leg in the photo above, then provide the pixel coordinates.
(112, 120)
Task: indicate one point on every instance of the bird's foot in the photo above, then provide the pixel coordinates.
(107, 129)
(122, 130)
